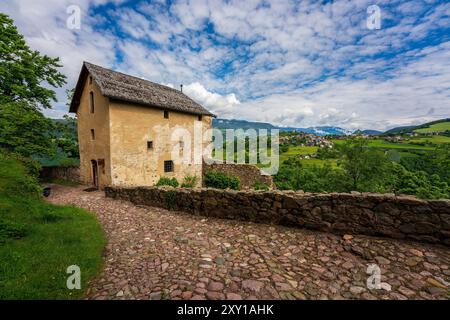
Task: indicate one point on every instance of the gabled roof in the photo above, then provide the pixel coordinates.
(123, 87)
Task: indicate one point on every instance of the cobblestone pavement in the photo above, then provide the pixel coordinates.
(153, 253)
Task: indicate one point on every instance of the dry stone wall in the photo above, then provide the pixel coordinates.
(248, 174)
(71, 173)
(356, 213)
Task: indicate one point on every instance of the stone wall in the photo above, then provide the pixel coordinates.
(248, 174)
(71, 173)
(355, 213)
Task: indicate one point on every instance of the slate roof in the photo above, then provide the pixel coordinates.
(123, 87)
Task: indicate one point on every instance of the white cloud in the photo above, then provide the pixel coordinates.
(218, 104)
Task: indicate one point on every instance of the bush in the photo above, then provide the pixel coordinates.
(164, 181)
(19, 175)
(219, 180)
(32, 167)
(261, 186)
(69, 162)
(189, 182)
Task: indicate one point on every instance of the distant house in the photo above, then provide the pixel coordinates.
(125, 125)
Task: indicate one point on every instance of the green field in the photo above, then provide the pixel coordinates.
(437, 127)
(432, 139)
(381, 144)
(39, 241)
(318, 162)
(297, 151)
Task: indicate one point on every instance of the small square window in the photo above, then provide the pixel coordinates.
(166, 114)
(149, 144)
(200, 118)
(168, 166)
(92, 134)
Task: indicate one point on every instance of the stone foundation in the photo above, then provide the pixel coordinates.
(356, 213)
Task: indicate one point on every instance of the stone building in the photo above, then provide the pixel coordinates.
(127, 129)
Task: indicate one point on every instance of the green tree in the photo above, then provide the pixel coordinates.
(66, 136)
(25, 130)
(418, 183)
(292, 175)
(26, 78)
(366, 168)
(66, 132)
(24, 71)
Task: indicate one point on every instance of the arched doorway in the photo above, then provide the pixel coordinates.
(94, 173)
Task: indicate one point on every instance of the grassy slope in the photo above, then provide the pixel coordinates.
(437, 127)
(50, 238)
(297, 150)
(432, 139)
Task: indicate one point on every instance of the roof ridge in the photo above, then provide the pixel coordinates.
(125, 87)
(135, 77)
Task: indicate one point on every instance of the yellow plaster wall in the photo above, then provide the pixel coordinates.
(98, 148)
(131, 126)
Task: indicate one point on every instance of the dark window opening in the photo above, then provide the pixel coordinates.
(166, 114)
(149, 144)
(200, 118)
(168, 166)
(91, 101)
(90, 79)
(92, 134)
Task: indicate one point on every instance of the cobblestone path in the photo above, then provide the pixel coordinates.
(153, 253)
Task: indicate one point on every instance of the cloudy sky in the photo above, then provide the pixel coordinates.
(290, 63)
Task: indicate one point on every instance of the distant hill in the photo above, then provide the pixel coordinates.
(240, 124)
(434, 126)
(243, 124)
(372, 132)
(403, 129)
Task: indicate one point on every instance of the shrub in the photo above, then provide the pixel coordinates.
(19, 175)
(69, 162)
(32, 167)
(164, 181)
(189, 182)
(261, 186)
(219, 180)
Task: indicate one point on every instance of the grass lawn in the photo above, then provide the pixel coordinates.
(38, 241)
(437, 127)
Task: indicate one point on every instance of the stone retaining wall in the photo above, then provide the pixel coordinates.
(71, 173)
(248, 174)
(355, 213)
